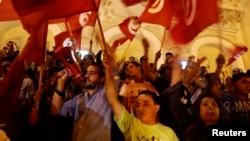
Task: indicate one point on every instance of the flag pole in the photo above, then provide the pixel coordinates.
(99, 25)
(40, 81)
(102, 40)
(162, 41)
(101, 32)
(69, 29)
(73, 40)
(219, 31)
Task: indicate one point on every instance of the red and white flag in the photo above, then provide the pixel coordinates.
(34, 15)
(238, 51)
(129, 28)
(74, 24)
(158, 12)
(79, 21)
(76, 35)
(67, 8)
(193, 16)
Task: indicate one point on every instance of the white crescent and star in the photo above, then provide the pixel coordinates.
(133, 26)
(67, 42)
(189, 7)
(156, 7)
(83, 18)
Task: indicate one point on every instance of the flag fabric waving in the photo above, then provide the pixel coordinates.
(66, 8)
(79, 21)
(193, 16)
(158, 12)
(238, 51)
(74, 24)
(7, 11)
(75, 35)
(34, 15)
(118, 42)
(128, 27)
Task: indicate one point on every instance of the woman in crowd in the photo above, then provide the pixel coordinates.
(192, 123)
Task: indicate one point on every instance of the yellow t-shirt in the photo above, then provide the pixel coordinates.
(134, 130)
(3, 136)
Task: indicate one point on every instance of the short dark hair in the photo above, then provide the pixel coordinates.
(135, 63)
(154, 95)
(237, 76)
(248, 72)
(169, 53)
(49, 52)
(100, 66)
(8, 58)
(163, 69)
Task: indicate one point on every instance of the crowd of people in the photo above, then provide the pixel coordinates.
(130, 100)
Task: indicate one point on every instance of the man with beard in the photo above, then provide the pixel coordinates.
(90, 109)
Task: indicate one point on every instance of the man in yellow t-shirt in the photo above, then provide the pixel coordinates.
(145, 126)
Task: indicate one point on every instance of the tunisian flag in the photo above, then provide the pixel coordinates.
(67, 8)
(158, 12)
(238, 51)
(75, 35)
(128, 28)
(79, 21)
(34, 15)
(75, 24)
(193, 16)
(7, 11)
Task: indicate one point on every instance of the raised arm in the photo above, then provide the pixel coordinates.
(175, 101)
(145, 64)
(192, 77)
(111, 92)
(220, 61)
(176, 71)
(57, 98)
